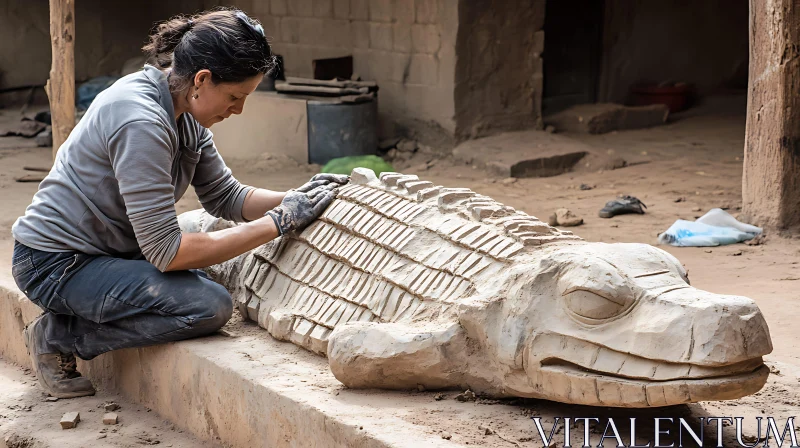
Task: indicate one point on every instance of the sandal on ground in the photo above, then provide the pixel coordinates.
(621, 206)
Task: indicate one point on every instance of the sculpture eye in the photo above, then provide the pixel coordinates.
(592, 306)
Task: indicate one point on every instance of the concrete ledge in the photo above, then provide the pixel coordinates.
(532, 154)
(606, 117)
(249, 135)
(245, 391)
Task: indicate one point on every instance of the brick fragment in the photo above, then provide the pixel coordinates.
(110, 418)
(70, 420)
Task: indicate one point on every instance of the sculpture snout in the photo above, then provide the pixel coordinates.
(726, 329)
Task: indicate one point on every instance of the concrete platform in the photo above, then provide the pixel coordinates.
(270, 123)
(532, 154)
(248, 390)
(606, 117)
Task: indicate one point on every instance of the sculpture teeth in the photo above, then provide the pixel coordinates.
(562, 352)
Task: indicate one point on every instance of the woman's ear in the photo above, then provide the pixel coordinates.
(202, 77)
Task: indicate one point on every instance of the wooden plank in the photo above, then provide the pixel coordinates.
(329, 82)
(61, 85)
(36, 168)
(31, 178)
(320, 90)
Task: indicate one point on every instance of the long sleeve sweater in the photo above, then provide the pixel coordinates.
(114, 183)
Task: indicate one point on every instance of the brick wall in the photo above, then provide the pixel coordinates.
(407, 46)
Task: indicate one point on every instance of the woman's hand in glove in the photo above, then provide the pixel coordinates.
(300, 208)
(323, 179)
(340, 179)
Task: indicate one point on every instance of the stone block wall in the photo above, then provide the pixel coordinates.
(407, 46)
(447, 69)
(106, 35)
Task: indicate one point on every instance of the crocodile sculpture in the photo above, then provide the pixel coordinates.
(404, 284)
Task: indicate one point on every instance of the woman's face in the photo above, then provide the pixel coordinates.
(216, 102)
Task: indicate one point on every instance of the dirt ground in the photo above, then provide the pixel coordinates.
(696, 158)
(28, 420)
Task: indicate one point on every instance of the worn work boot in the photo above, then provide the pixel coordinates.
(57, 372)
(621, 206)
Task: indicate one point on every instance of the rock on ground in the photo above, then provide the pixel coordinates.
(565, 218)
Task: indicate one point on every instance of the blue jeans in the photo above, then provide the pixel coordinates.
(95, 304)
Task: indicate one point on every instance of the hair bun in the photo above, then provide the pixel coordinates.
(231, 45)
(250, 22)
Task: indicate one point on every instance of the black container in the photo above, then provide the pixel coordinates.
(337, 129)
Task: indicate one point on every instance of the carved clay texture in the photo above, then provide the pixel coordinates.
(382, 254)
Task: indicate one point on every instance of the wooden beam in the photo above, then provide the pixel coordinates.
(61, 85)
(771, 178)
(320, 90)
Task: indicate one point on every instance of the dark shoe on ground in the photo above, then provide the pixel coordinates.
(57, 372)
(621, 206)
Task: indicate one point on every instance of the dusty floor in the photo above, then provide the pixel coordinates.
(697, 157)
(28, 420)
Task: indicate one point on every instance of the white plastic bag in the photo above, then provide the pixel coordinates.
(715, 228)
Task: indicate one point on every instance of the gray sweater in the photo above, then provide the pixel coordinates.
(113, 186)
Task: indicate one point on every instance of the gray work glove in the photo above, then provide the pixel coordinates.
(301, 207)
(337, 180)
(340, 179)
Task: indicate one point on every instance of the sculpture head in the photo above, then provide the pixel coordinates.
(620, 325)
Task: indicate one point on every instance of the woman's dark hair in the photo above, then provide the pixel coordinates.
(225, 41)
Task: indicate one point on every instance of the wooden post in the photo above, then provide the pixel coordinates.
(771, 180)
(61, 85)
